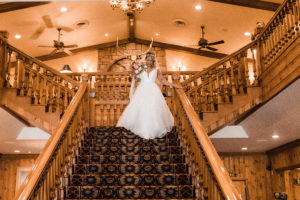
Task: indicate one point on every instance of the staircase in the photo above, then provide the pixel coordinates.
(113, 163)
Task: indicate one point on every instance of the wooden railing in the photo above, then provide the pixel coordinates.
(219, 82)
(53, 164)
(116, 86)
(109, 94)
(280, 32)
(34, 79)
(233, 74)
(210, 176)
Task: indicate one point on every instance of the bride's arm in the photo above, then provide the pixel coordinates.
(164, 81)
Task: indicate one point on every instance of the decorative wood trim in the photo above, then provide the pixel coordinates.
(17, 116)
(284, 147)
(7, 7)
(264, 5)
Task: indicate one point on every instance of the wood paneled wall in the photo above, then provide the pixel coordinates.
(8, 172)
(285, 161)
(286, 156)
(251, 168)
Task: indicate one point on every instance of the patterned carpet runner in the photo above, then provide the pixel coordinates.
(113, 163)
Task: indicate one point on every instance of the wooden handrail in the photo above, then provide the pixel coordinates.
(124, 73)
(214, 161)
(279, 9)
(31, 182)
(75, 83)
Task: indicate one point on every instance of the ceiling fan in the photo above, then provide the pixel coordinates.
(48, 23)
(60, 46)
(203, 43)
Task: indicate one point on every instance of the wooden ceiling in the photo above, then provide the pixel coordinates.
(179, 39)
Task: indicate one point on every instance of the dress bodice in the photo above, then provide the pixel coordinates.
(148, 77)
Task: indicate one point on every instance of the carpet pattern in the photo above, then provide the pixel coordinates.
(113, 163)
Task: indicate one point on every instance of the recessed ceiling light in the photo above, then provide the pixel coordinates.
(244, 148)
(198, 7)
(63, 9)
(156, 34)
(18, 36)
(106, 34)
(275, 136)
(29, 151)
(17, 151)
(247, 34)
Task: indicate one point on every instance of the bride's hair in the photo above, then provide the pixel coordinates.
(150, 54)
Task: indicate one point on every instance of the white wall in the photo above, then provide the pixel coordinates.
(191, 61)
(76, 61)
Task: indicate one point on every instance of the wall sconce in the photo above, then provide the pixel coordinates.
(66, 69)
(179, 67)
(84, 67)
(84, 76)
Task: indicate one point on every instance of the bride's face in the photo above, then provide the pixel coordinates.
(149, 61)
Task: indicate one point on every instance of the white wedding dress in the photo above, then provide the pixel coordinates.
(147, 114)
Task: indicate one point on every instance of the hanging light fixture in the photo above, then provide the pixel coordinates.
(66, 69)
(130, 6)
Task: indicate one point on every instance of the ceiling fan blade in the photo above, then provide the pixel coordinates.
(48, 22)
(215, 43)
(213, 49)
(37, 33)
(53, 52)
(45, 46)
(68, 52)
(65, 28)
(71, 46)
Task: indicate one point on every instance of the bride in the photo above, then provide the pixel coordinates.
(147, 114)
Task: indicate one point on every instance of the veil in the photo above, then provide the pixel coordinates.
(132, 86)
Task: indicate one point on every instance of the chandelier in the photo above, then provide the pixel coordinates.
(130, 6)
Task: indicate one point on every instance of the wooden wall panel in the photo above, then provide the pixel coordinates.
(8, 172)
(286, 156)
(252, 168)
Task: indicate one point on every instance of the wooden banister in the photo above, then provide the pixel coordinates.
(52, 163)
(204, 158)
(36, 61)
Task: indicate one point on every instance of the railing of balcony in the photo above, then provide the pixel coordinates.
(34, 79)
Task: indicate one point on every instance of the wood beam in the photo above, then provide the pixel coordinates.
(264, 5)
(93, 47)
(182, 48)
(131, 24)
(209, 54)
(12, 6)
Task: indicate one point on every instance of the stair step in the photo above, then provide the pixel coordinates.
(130, 192)
(130, 142)
(129, 168)
(119, 133)
(130, 150)
(124, 159)
(130, 180)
